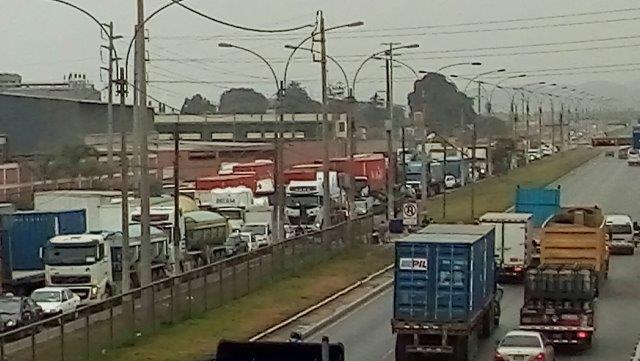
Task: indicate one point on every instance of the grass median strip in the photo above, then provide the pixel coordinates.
(496, 194)
(196, 338)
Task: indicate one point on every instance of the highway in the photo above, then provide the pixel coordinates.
(608, 182)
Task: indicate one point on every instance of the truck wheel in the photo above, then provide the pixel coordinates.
(487, 324)
(401, 347)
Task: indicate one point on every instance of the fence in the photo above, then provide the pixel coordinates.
(122, 318)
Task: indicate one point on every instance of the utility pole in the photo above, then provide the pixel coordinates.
(444, 184)
(124, 186)
(553, 125)
(326, 195)
(280, 191)
(109, 70)
(390, 149)
(473, 156)
(561, 120)
(540, 125)
(351, 126)
(143, 128)
(525, 117)
(176, 200)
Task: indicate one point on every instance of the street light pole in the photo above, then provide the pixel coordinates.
(326, 197)
(389, 131)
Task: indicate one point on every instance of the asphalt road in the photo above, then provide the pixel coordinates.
(608, 182)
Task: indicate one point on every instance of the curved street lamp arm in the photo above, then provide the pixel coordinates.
(344, 73)
(264, 60)
(478, 76)
(451, 66)
(408, 67)
(103, 28)
(355, 76)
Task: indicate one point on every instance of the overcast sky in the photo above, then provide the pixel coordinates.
(43, 40)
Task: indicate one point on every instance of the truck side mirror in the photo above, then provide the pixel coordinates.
(41, 252)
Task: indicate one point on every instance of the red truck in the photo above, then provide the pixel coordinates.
(225, 181)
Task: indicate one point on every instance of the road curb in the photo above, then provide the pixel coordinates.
(320, 304)
(346, 310)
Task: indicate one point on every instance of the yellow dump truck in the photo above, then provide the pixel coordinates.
(576, 237)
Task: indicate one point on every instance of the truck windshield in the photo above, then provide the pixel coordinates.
(70, 256)
(307, 201)
(621, 229)
(255, 229)
(413, 177)
(230, 213)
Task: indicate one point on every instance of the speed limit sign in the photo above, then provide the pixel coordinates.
(410, 214)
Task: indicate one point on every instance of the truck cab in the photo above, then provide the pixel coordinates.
(622, 233)
(261, 232)
(90, 264)
(304, 203)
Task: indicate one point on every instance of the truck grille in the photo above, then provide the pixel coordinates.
(64, 280)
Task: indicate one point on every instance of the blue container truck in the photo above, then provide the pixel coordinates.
(541, 202)
(22, 234)
(635, 134)
(445, 291)
(459, 168)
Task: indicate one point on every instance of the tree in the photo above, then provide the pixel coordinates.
(197, 105)
(444, 107)
(242, 101)
(297, 100)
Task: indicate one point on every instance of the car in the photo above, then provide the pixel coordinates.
(237, 243)
(524, 346)
(610, 153)
(56, 301)
(16, 312)
(450, 181)
(622, 230)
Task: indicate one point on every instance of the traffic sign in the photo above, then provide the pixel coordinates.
(410, 214)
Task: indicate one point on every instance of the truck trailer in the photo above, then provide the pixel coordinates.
(445, 292)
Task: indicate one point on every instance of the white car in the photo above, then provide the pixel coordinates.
(524, 346)
(450, 181)
(56, 300)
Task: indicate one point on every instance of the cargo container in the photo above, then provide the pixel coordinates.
(541, 202)
(22, 234)
(103, 208)
(262, 168)
(635, 136)
(514, 243)
(226, 181)
(299, 175)
(434, 177)
(457, 167)
(444, 291)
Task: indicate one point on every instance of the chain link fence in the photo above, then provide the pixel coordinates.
(121, 319)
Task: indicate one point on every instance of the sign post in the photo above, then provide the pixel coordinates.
(410, 214)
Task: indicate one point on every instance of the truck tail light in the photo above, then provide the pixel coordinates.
(517, 269)
(582, 335)
(540, 357)
(498, 357)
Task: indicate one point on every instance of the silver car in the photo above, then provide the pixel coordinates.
(524, 346)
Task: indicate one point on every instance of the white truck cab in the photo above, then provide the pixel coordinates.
(90, 264)
(261, 232)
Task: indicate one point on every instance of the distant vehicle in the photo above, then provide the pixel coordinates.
(525, 346)
(16, 312)
(534, 154)
(622, 232)
(450, 181)
(237, 243)
(546, 151)
(56, 300)
(633, 157)
(261, 231)
(623, 152)
(610, 153)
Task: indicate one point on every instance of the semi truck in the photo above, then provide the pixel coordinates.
(514, 243)
(90, 264)
(434, 172)
(560, 294)
(22, 234)
(445, 292)
(231, 202)
(304, 201)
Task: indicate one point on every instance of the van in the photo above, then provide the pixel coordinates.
(622, 233)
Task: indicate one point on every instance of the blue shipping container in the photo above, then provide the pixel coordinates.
(636, 138)
(23, 233)
(444, 277)
(541, 202)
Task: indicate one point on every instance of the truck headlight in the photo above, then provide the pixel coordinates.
(94, 291)
(10, 323)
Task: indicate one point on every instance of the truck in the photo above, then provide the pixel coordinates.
(445, 292)
(225, 181)
(457, 167)
(22, 234)
(434, 173)
(304, 201)
(576, 236)
(542, 203)
(264, 174)
(560, 294)
(103, 208)
(514, 243)
(560, 302)
(259, 222)
(90, 264)
(231, 202)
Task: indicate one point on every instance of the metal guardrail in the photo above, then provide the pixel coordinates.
(112, 322)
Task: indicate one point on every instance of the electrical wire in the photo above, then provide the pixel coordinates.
(240, 27)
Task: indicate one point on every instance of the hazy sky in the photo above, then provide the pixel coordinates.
(43, 40)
